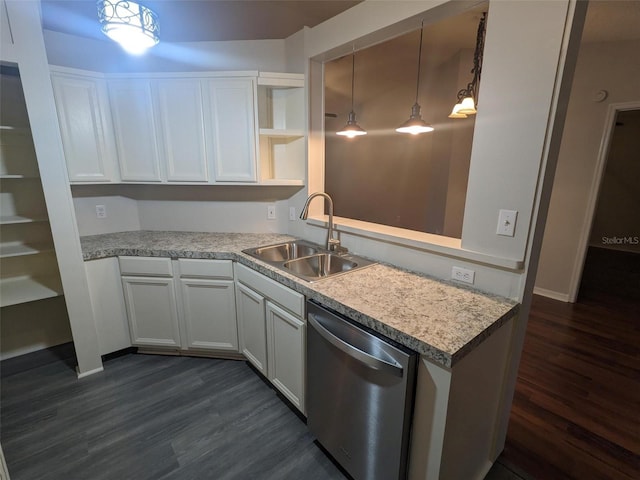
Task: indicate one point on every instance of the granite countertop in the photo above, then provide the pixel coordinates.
(438, 319)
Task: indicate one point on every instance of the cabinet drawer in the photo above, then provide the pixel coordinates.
(155, 267)
(284, 296)
(206, 268)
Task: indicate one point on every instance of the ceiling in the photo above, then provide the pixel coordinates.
(220, 20)
(203, 20)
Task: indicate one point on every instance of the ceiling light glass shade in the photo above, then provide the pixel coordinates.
(133, 26)
(455, 113)
(352, 129)
(415, 124)
(467, 106)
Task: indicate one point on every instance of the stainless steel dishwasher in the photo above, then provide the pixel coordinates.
(360, 391)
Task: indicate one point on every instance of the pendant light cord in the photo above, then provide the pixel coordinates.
(419, 58)
(353, 72)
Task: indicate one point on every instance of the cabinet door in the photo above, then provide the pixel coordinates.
(135, 131)
(85, 125)
(286, 357)
(209, 314)
(252, 327)
(151, 306)
(108, 305)
(231, 119)
(181, 123)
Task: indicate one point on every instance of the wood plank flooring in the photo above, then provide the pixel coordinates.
(576, 411)
(156, 417)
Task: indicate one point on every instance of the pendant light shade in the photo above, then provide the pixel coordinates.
(416, 125)
(133, 26)
(352, 129)
(467, 97)
(455, 113)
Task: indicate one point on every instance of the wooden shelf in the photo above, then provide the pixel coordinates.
(6, 176)
(12, 219)
(19, 250)
(278, 133)
(16, 290)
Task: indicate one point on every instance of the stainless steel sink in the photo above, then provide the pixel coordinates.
(320, 265)
(283, 252)
(308, 261)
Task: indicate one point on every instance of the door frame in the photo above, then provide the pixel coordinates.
(594, 192)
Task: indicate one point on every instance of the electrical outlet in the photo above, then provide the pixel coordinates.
(101, 211)
(271, 212)
(507, 223)
(463, 275)
(292, 214)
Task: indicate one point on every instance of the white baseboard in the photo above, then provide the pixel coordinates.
(563, 297)
(90, 372)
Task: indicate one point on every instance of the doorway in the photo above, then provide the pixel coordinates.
(612, 257)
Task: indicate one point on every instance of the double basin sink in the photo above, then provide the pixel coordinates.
(308, 261)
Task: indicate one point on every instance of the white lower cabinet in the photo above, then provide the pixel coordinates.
(252, 327)
(209, 314)
(286, 353)
(272, 328)
(185, 304)
(151, 307)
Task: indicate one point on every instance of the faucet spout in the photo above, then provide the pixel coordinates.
(332, 244)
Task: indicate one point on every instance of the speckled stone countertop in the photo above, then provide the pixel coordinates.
(439, 320)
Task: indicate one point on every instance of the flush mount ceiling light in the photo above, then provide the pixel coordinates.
(352, 129)
(416, 124)
(468, 97)
(133, 26)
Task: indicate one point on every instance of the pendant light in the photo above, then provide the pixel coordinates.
(352, 129)
(468, 97)
(416, 124)
(134, 26)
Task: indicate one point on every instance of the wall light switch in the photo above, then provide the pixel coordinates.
(271, 212)
(101, 211)
(507, 222)
(292, 214)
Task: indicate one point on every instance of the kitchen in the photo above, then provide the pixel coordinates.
(503, 151)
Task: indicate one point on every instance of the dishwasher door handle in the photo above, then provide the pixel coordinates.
(365, 358)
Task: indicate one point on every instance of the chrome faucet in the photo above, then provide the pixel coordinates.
(333, 244)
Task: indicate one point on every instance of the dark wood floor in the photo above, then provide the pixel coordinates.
(576, 411)
(155, 417)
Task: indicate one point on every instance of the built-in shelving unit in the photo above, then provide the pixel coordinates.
(28, 266)
(282, 127)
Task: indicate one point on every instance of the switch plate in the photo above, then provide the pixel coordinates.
(271, 212)
(463, 275)
(507, 222)
(101, 211)
(292, 214)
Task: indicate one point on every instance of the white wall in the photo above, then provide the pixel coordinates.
(122, 214)
(212, 216)
(611, 66)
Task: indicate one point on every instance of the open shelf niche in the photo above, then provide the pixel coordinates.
(28, 266)
(281, 120)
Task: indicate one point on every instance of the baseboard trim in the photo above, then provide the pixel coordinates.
(90, 372)
(563, 297)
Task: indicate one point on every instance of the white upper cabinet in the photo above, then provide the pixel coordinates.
(231, 123)
(134, 124)
(187, 128)
(181, 129)
(85, 125)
